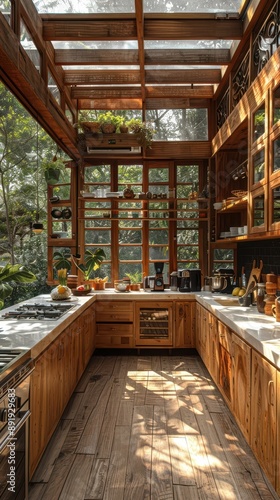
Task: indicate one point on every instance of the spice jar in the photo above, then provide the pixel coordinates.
(261, 293)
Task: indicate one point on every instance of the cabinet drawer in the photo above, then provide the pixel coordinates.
(114, 341)
(113, 329)
(114, 312)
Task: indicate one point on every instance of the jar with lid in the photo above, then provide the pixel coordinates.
(261, 294)
(128, 192)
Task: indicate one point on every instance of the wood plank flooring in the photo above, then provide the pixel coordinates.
(148, 427)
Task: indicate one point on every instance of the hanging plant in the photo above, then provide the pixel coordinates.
(52, 170)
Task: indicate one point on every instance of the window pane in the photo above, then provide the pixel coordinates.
(29, 46)
(130, 253)
(6, 9)
(158, 175)
(179, 124)
(53, 87)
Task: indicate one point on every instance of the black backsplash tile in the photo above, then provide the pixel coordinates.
(266, 250)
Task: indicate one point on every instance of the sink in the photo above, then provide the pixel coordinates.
(227, 301)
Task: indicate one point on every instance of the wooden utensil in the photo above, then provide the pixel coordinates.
(255, 274)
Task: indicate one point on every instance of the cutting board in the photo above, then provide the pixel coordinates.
(255, 274)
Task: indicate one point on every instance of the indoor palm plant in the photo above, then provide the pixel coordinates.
(92, 261)
(13, 273)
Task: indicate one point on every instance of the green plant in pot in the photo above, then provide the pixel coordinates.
(13, 273)
(52, 170)
(92, 261)
(135, 280)
(109, 122)
(145, 131)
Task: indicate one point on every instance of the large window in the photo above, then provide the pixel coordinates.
(160, 223)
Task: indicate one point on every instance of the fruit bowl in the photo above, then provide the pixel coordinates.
(80, 292)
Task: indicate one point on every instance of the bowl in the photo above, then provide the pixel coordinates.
(121, 286)
(80, 293)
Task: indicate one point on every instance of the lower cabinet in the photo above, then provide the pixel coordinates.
(185, 324)
(114, 324)
(248, 383)
(263, 411)
(57, 371)
(241, 384)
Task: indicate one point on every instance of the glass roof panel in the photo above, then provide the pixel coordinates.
(100, 68)
(83, 44)
(84, 6)
(187, 44)
(188, 6)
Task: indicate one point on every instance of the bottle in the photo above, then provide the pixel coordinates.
(261, 297)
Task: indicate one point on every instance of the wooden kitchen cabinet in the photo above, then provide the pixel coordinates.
(203, 334)
(241, 384)
(263, 414)
(114, 324)
(48, 396)
(56, 374)
(225, 362)
(185, 324)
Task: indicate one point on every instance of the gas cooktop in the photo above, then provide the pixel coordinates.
(38, 311)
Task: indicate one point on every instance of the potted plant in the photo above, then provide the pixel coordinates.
(13, 273)
(52, 169)
(109, 122)
(135, 280)
(92, 261)
(145, 131)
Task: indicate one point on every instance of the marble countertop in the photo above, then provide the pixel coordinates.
(260, 331)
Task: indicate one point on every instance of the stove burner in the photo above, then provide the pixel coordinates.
(38, 311)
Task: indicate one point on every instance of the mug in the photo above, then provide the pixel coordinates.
(276, 309)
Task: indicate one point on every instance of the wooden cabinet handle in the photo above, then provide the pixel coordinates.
(270, 390)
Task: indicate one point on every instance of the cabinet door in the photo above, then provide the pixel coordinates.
(46, 400)
(225, 361)
(204, 336)
(185, 314)
(213, 365)
(153, 323)
(263, 414)
(241, 384)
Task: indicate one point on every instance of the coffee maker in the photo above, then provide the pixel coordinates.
(159, 282)
(189, 280)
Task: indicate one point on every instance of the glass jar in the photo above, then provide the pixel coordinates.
(128, 192)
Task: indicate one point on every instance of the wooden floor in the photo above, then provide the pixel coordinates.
(148, 427)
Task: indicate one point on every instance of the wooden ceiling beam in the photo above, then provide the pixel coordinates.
(205, 92)
(199, 92)
(90, 30)
(105, 93)
(152, 57)
(153, 29)
(187, 56)
(91, 56)
(106, 77)
(108, 104)
(193, 29)
(184, 76)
